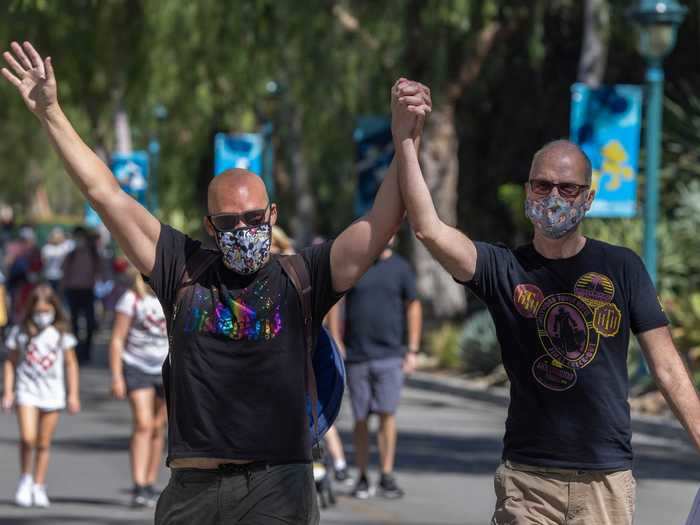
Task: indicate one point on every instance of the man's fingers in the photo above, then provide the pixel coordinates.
(36, 59)
(415, 100)
(21, 55)
(421, 110)
(10, 77)
(48, 64)
(14, 64)
(410, 89)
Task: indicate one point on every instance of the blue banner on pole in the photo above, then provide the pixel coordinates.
(131, 171)
(606, 123)
(374, 151)
(238, 150)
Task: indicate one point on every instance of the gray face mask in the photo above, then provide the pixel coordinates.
(554, 215)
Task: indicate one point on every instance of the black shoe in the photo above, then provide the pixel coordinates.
(388, 487)
(362, 489)
(341, 475)
(153, 495)
(140, 497)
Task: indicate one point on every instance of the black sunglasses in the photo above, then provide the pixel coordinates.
(565, 189)
(229, 221)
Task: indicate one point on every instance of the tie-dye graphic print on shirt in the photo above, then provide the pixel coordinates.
(252, 316)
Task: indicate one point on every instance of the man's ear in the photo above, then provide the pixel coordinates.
(208, 227)
(589, 199)
(273, 214)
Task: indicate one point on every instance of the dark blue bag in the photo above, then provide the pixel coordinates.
(329, 371)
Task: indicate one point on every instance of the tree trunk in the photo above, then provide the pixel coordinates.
(442, 296)
(304, 219)
(594, 49)
(122, 130)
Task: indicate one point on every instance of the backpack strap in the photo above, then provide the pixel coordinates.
(298, 272)
(195, 266)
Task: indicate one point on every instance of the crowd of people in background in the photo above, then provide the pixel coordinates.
(53, 296)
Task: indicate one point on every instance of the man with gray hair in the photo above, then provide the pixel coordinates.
(564, 307)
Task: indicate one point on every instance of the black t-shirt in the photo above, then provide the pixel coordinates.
(238, 356)
(375, 311)
(564, 327)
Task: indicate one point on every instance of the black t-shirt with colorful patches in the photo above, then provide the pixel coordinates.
(238, 356)
(564, 328)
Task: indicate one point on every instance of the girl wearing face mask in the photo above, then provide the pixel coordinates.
(40, 348)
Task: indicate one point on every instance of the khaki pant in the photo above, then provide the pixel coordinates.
(528, 495)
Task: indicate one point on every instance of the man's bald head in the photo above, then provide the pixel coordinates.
(563, 154)
(235, 191)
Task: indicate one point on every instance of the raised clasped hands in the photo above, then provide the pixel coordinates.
(33, 77)
(410, 105)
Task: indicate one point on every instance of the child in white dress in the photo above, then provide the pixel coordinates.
(39, 350)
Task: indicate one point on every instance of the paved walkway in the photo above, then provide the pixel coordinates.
(449, 448)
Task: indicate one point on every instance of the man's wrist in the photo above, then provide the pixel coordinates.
(413, 349)
(52, 115)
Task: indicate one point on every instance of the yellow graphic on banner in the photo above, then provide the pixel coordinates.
(615, 160)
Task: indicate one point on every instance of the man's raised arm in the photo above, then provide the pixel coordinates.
(133, 227)
(453, 250)
(360, 244)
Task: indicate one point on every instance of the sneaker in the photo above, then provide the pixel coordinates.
(342, 475)
(39, 496)
(388, 487)
(362, 489)
(23, 496)
(153, 494)
(140, 497)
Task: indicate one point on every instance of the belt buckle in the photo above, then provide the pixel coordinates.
(231, 468)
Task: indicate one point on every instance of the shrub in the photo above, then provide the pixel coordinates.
(480, 350)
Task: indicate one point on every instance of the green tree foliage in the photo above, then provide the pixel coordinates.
(500, 73)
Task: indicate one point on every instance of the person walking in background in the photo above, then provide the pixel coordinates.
(40, 347)
(332, 440)
(23, 263)
(381, 312)
(137, 349)
(281, 243)
(53, 253)
(81, 269)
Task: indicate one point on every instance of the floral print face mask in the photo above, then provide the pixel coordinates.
(554, 215)
(245, 250)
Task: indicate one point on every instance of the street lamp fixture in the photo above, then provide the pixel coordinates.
(658, 22)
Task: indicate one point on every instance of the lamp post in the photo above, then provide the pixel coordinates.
(658, 22)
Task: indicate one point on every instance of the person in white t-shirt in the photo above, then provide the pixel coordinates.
(52, 255)
(138, 348)
(39, 349)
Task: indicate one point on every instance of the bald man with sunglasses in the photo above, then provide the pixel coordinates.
(239, 442)
(564, 306)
